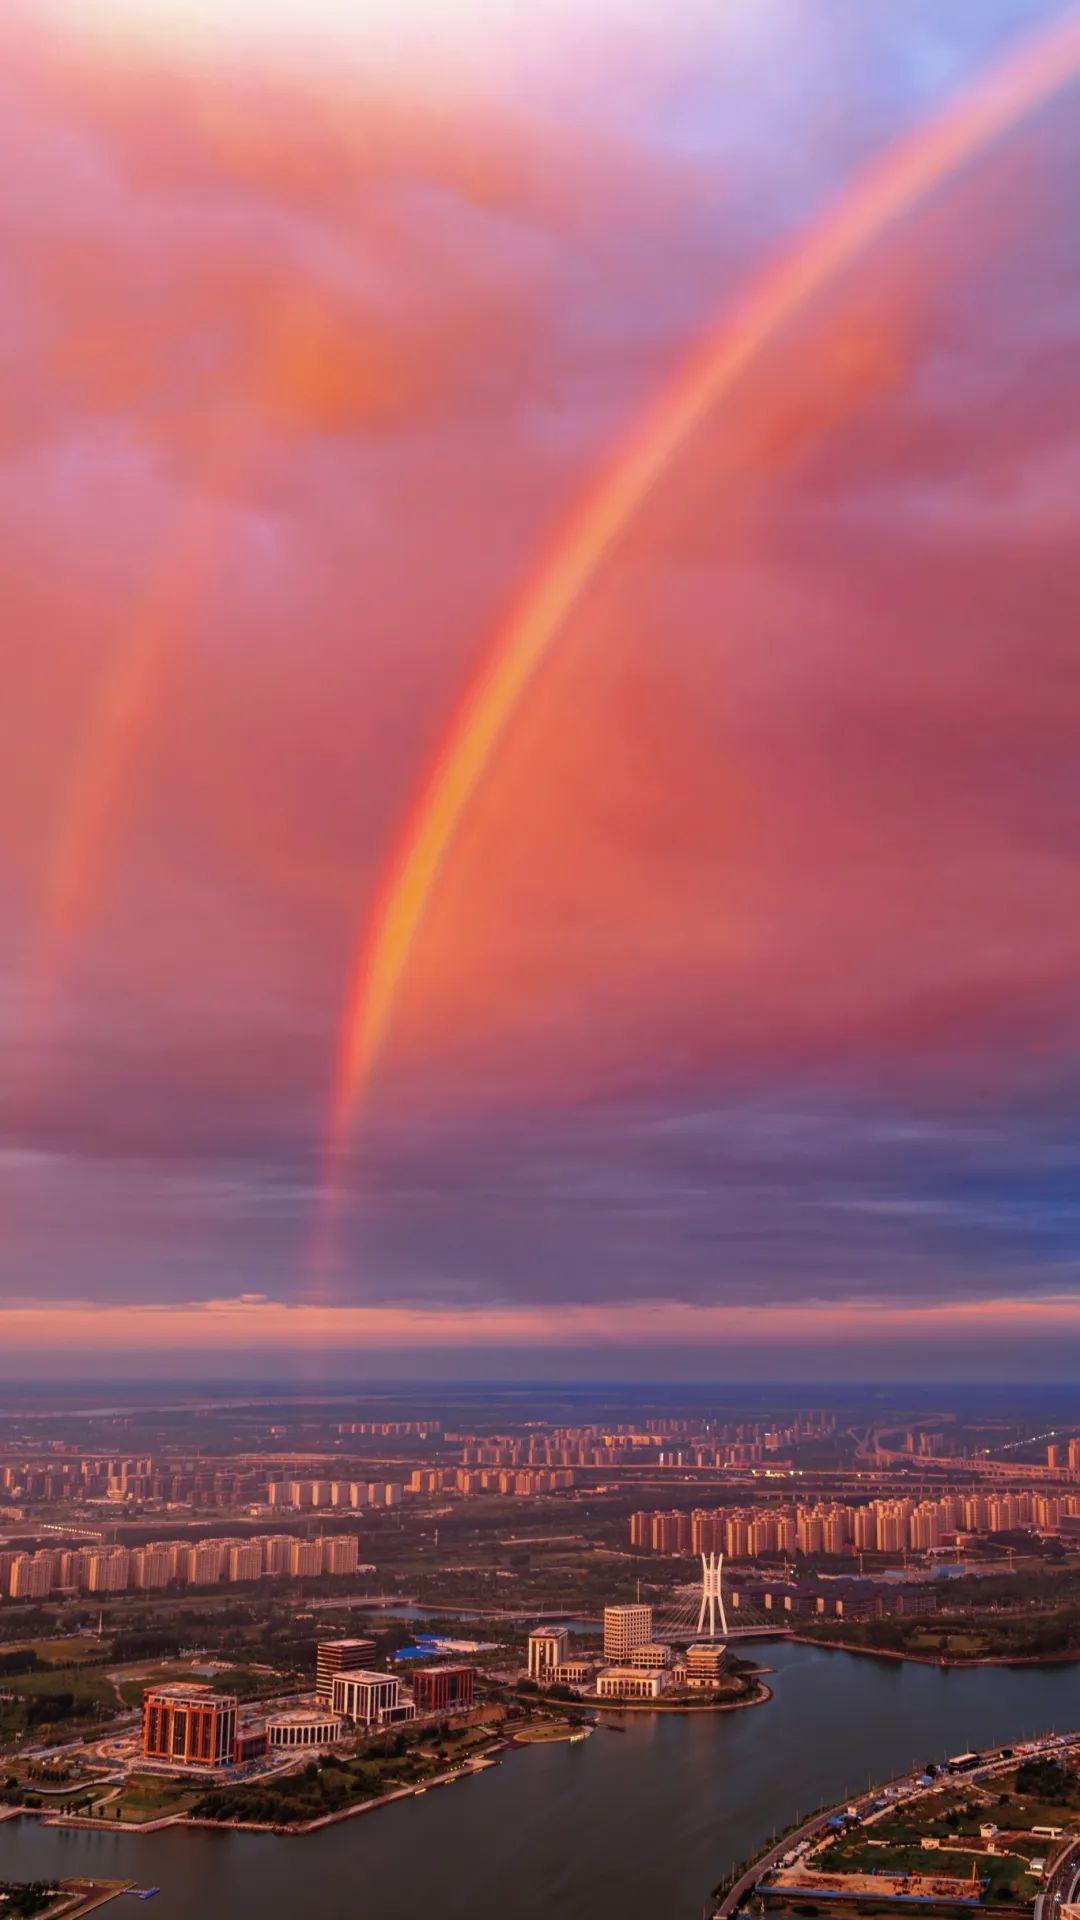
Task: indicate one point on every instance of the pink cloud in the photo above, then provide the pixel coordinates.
(797, 791)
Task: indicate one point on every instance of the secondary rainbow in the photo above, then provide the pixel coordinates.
(129, 687)
(891, 188)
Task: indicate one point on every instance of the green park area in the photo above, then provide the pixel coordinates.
(49, 1701)
(1038, 1636)
(1029, 1612)
(247, 1683)
(67, 1650)
(406, 1758)
(146, 1797)
(26, 1899)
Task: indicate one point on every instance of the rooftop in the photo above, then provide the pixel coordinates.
(190, 1693)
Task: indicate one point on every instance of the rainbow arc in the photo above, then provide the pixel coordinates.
(890, 190)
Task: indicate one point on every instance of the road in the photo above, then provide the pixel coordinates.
(1061, 1884)
(766, 1861)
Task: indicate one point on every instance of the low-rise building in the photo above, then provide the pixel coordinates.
(443, 1689)
(304, 1727)
(705, 1663)
(650, 1654)
(631, 1683)
(371, 1699)
(574, 1673)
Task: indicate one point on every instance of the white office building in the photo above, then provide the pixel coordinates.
(626, 1628)
(549, 1647)
(632, 1683)
(371, 1699)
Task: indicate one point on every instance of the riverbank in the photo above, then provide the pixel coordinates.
(761, 1695)
(544, 1734)
(282, 1828)
(79, 1822)
(796, 1849)
(693, 1793)
(939, 1659)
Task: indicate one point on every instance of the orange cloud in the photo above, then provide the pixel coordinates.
(889, 191)
(793, 795)
(255, 1323)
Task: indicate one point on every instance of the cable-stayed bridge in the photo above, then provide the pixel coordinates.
(701, 1611)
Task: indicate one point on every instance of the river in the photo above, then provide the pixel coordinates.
(638, 1825)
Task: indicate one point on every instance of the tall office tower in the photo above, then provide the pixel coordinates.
(549, 1647)
(625, 1628)
(339, 1656)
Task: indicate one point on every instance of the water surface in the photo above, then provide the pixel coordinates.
(637, 1825)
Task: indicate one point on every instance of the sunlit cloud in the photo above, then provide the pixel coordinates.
(275, 1327)
(745, 1003)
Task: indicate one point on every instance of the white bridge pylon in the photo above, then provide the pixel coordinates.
(712, 1596)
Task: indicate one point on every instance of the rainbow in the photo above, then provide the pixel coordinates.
(891, 188)
(126, 694)
(129, 687)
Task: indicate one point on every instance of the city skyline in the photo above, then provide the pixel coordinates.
(542, 693)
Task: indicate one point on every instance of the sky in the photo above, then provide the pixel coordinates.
(735, 1024)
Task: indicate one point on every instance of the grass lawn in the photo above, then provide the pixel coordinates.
(947, 1639)
(1005, 1876)
(243, 1681)
(532, 1736)
(66, 1652)
(87, 1684)
(76, 1691)
(69, 1652)
(147, 1798)
(1037, 1813)
(132, 1690)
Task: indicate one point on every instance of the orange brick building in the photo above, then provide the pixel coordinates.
(189, 1726)
(436, 1689)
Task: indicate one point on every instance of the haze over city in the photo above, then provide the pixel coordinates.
(540, 959)
(541, 712)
